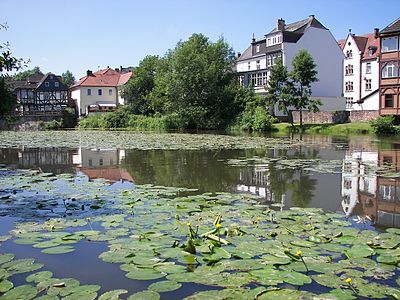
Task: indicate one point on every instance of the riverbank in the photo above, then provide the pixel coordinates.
(332, 129)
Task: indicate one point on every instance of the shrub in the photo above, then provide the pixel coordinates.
(256, 118)
(384, 125)
(51, 125)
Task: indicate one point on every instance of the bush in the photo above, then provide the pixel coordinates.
(51, 125)
(256, 119)
(384, 125)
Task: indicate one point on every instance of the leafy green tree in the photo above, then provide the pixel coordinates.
(68, 78)
(303, 188)
(303, 75)
(7, 63)
(137, 90)
(195, 83)
(25, 74)
(280, 88)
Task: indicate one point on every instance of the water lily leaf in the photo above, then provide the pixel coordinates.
(20, 292)
(339, 294)
(145, 295)
(145, 274)
(329, 280)
(39, 276)
(81, 295)
(46, 244)
(170, 268)
(5, 285)
(164, 286)
(112, 295)
(390, 260)
(275, 260)
(79, 291)
(4, 238)
(21, 266)
(6, 257)
(58, 250)
(281, 294)
(359, 250)
(393, 230)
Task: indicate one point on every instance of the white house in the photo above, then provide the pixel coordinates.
(284, 42)
(361, 71)
(99, 91)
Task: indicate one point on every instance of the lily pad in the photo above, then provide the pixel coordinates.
(145, 295)
(20, 292)
(58, 250)
(112, 295)
(5, 285)
(39, 276)
(164, 286)
(145, 274)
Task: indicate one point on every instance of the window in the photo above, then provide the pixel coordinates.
(254, 79)
(56, 84)
(280, 39)
(349, 70)
(347, 183)
(248, 65)
(110, 92)
(100, 161)
(390, 44)
(269, 61)
(269, 42)
(389, 71)
(51, 77)
(90, 162)
(46, 84)
(258, 48)
(389, 100)
(368, 68)
(258, 65)
(274, 40)
(241, 80)
(349, 54)
(368, 85)
(100, 92)
(264, 78)
(349, 86)
(89, 92)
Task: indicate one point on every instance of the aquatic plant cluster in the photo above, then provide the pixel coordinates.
(170, 237)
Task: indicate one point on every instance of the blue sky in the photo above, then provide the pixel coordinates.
(80, 35)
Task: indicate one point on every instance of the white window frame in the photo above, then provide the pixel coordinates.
(390, 70)
(368, 68)
(386, 48)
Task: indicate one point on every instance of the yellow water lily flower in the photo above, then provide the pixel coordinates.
(298, 253)
(218, 225)
(349, 280)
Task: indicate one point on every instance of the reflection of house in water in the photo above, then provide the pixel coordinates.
(356, 178)
(257, 181)
(51, 159)
(366, 194)
(101, 163)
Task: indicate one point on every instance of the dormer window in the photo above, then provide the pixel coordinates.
(51, 77)
(258, 48)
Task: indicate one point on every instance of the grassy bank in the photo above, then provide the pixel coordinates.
(333, 129)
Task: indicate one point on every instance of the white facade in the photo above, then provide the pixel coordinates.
(90, 95)
(360, 76)
(326, 54)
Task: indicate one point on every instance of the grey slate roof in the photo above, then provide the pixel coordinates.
(300, 26)
(391, 28)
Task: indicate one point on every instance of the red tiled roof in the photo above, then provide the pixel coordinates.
(341, 43)
(372, 43)
(107, 77)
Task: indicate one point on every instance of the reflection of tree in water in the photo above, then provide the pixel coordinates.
(303, 188)
(205, 170)
(298, 182)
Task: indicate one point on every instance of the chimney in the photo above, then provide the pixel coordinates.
(376, 32)
(280, 24)
(311, 16)
(239, 54)
(253, 39)
(120, 68)
(89, 73)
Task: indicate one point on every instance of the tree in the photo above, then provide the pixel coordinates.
(195, 83)
(68, 78)
(280, 88)
(137, 90)
(303, 75)
(7, 63)
(25, 74)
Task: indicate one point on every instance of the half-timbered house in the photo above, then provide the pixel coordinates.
(40, 95)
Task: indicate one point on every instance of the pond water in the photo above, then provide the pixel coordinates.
(355, 178)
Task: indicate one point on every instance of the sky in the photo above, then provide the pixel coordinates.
(78, 35)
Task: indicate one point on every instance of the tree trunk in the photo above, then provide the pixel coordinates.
(301, 118)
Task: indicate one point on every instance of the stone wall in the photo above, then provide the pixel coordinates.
(24, 122)
(335, 117)
(363, 115)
